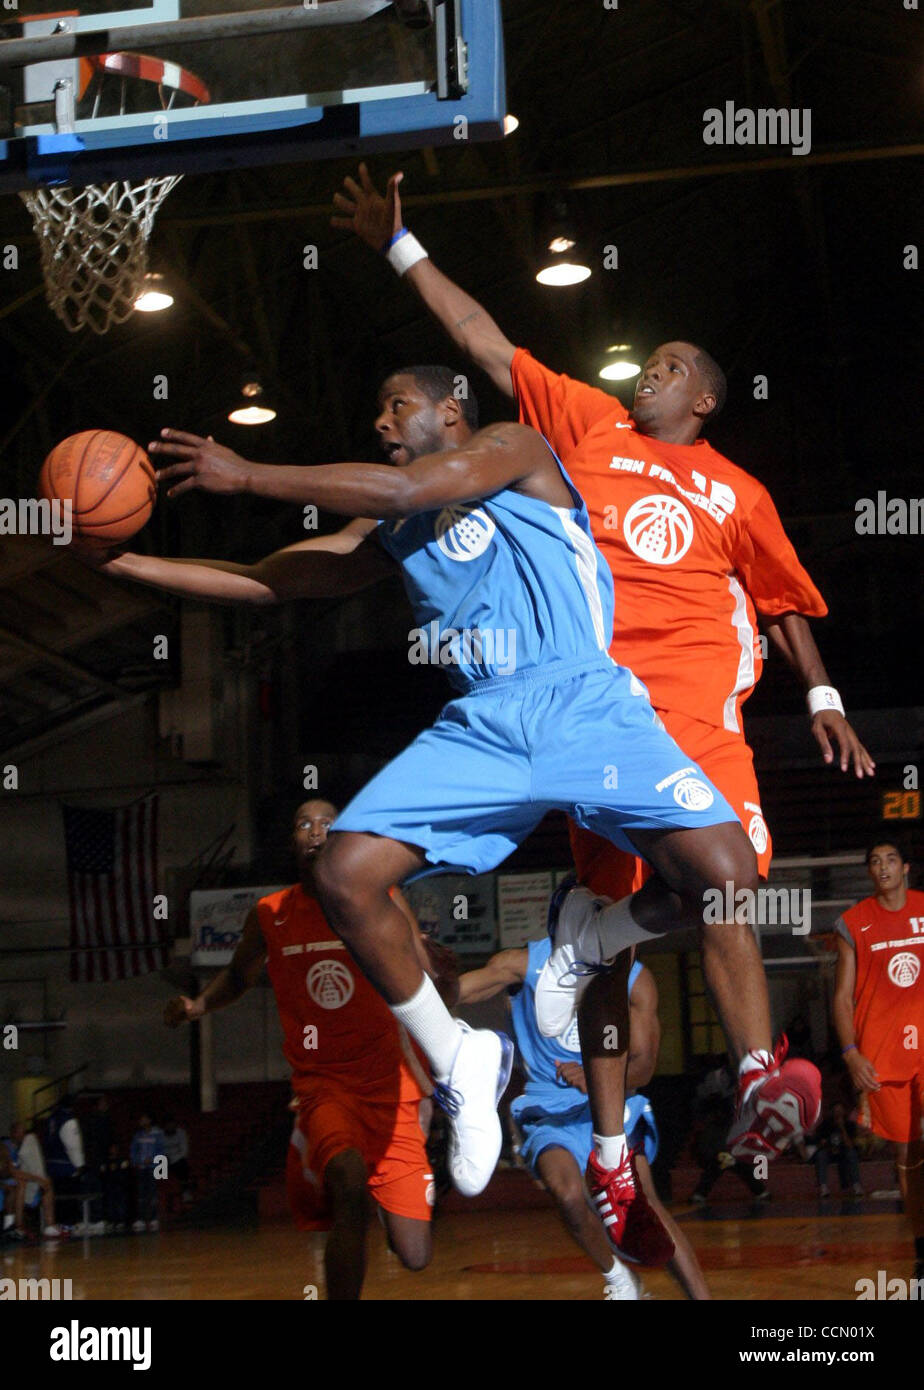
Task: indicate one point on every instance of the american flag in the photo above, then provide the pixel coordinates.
(112, 877)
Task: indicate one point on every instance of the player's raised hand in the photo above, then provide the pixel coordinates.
(182, 1010)
(862, 1071)
(364, 211)
(203, 464)
(828, 724)
(572, 1074)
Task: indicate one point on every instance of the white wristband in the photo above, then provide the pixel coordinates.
(405, 250)
(823, 697)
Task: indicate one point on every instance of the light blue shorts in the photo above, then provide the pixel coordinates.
(573, 1129)
(577, 737)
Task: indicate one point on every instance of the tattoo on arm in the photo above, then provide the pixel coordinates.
(476, 313)
(499, 440)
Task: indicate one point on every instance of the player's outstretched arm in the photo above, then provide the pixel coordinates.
(496, 457)
(792, 637)
(862, 1071)
(503, 970)
(307, 569)
(229, 984)
(644, 1031)
(378, 222)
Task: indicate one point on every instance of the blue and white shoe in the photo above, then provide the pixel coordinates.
(570, 967)
(470, 1097)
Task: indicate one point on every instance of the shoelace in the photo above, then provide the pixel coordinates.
(447, 1099)
(580, 968)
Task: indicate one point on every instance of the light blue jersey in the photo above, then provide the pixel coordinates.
(550, 1113)
(538, 1054)
(505, 584)
(515, 601)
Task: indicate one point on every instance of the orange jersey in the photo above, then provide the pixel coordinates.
(889, 992)
(336, 1027)
(695, 545)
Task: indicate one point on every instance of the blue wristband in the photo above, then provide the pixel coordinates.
(402, 231)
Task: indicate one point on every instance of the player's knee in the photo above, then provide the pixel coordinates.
(335, 882)
(346, 885)
(732, 863)
(569, 1198)
(417, 1255)
(345, 1181)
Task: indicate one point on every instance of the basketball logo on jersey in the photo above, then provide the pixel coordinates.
(757, 833)
(693, 795)
(462, 534)
(904, 969)
(659, 529)
(330, 984)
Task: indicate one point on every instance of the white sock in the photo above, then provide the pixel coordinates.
(430, 1023)
(611, 1149)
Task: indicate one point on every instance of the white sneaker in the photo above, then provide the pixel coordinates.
(470, 1097)
(565, 976)
(52, 1233)
(153, 1225)
(621, 1285)
(138, 1226)
(96, 1228)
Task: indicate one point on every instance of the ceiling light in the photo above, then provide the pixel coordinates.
(620, 370)
(153, 295)
(563, 261)
(251, 413)
(563, 273)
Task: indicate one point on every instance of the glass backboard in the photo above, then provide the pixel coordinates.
(200, 85)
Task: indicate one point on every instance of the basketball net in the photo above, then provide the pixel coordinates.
(94, 245)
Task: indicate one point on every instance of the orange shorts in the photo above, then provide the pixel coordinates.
(728, 761)
(390, 1136)
(895, 1110)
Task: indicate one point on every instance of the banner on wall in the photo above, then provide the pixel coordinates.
(458, 910)
(522, 907)
(216, 921)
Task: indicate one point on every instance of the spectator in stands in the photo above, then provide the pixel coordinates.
(64, 1155)
(176, 1147)
(836, 1138)
(97, 1130)
(147, 1147)
(16, 1181)
(115, 1184)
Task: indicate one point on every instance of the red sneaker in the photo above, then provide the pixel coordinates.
(776, 1104)
(633, 1226)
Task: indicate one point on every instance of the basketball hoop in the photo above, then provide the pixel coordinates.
(94, 240)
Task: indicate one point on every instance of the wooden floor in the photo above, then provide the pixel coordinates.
(500, 1255)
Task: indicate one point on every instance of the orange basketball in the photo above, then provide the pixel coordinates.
(107, 478)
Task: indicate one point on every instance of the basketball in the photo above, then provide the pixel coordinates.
(108, 479)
